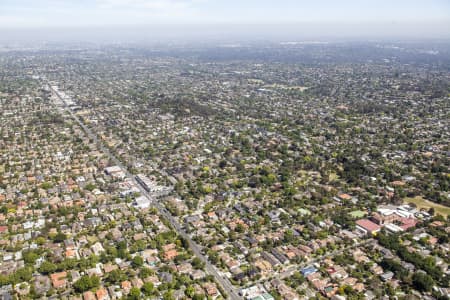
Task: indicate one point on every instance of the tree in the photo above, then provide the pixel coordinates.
(67, 264)
(40, 241)
(116, 276)
(138, 261)
(4, 210)
(148, 288)
(198, 297)
(146, 272)
(21, 275)
(86, 283)
(190, 291)
(423, 281)
(222, 164)
(30, 256)
(135, 294)
(240, 228)
(213, 257)
(197, 263)
(59, 237)
(4, 280)
(47, 268)
(168, 295)
(90, 187)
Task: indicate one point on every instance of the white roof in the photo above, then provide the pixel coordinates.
(113, 169)
(386, 211)
(142, 202)
(393, 228)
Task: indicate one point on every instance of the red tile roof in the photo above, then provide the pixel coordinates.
(407, 223)
(368, 225)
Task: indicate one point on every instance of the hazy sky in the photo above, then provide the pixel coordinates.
(52, 13)
(145, 20)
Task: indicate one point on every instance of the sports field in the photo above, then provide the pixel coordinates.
(423, 203)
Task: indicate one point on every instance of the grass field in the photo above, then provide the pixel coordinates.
(423, 203)
(357, 214)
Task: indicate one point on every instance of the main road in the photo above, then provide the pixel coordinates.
(210, 269)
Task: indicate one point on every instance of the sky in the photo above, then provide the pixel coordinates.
(427, 17)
